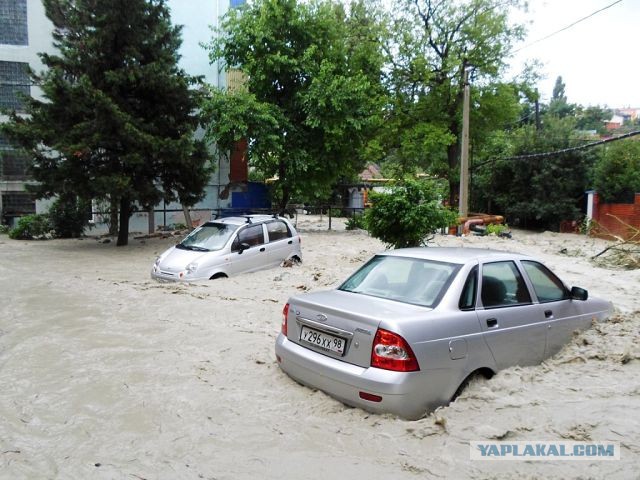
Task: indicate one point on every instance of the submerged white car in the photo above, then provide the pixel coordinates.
(229, 246)
(407, 331)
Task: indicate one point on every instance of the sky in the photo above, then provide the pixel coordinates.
(597, 58)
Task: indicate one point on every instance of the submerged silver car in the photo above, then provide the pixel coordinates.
(229, 246)
(407, 330)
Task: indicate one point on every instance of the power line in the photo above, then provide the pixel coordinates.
(562, 151)
(567, 27)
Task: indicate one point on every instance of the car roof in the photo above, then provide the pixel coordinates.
(458, 255)
(245, 219)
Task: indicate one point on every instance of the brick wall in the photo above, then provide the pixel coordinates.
(629, 213)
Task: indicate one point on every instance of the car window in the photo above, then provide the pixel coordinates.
(252, 235)
(547, 286)
(468, 296)
(408, 280)
(503, 285)
(278, 230)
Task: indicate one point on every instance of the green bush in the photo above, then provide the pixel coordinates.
(4, 229)
(497, 229)
(69, 216)
(355, 222)
(407, 213)
(30, 227)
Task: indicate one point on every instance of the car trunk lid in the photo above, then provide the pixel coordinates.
(322, 321)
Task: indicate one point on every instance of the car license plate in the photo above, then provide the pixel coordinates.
(322, 340)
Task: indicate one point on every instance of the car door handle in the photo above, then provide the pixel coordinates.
(492, 322)
(262, 249)
(548, 314)
(290, 242)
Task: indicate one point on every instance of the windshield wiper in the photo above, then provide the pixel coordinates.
(195, 248)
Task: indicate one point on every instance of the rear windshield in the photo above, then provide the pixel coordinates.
(408, 280)
(210, 236)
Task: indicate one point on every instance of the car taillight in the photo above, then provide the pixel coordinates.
(391, 352)
(285, 314)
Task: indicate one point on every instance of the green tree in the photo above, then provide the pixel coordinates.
(558, 106)
(616, 174)
(312, 93)
(593, 118)
(117, 120)
(538, 191)
(434, 44)
(407, 213)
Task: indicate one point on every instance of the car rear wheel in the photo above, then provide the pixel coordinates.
(218, 275)
(476, 376)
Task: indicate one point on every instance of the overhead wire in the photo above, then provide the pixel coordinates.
(561, 151)
(567, 27)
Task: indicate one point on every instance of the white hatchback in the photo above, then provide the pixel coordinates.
(229, 246)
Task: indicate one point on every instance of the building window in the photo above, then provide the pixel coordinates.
(13, 22)
(14, 81)
(15, 204)
(13, 165)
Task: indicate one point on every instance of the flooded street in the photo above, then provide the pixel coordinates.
(108, 374)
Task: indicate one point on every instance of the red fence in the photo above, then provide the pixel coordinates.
(627, 213)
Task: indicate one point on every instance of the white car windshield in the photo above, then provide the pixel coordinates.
(408, 280)
(208, 237)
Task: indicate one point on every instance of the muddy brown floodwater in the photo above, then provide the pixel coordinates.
(108, 374)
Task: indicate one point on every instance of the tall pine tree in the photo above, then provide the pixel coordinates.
(118, 118)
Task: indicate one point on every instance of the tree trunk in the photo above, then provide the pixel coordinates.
(187, 217)
(152, 220)
(125, 213)
(113, 216)
(284, 187)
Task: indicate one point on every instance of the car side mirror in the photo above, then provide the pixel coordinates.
(578, 293)
(242, 247)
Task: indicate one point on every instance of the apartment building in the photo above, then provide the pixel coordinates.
(25, 31)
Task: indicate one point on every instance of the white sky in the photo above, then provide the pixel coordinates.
(598, 58)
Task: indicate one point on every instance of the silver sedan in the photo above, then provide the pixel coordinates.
(406, 332)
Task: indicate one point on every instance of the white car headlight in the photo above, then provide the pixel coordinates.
(192, 267)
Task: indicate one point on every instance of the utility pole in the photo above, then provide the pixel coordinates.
(538, 125)
(464, 150)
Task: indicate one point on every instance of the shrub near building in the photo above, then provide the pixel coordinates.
(30, 227)
(407, 213)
